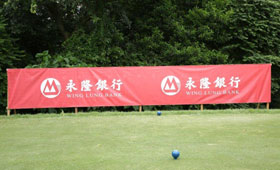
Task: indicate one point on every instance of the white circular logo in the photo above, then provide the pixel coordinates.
(170, 85)
(50, 88)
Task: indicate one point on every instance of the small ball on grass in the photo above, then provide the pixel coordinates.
(175, 154)
(158, 113)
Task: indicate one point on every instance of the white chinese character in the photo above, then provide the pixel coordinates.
(235, 80)
(71, 86)
(190, 84)
(85, 85)
(220, 82)
(101, 85)
(117, 83)
(204, 83)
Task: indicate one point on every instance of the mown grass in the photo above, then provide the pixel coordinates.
(212, 139)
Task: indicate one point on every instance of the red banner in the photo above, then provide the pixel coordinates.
(127, 86)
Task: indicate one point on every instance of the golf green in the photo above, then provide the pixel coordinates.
(227, 139)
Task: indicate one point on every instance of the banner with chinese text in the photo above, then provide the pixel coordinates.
(127, 86)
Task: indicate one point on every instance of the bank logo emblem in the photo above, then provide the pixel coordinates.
(170, 85)
(50, 88)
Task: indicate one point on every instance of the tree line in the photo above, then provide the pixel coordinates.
(93, 33)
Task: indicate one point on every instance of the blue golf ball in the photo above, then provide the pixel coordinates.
(159, 113)
(175, 154)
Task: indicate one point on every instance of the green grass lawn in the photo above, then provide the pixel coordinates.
(226, 139)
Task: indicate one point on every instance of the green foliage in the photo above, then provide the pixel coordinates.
(159, 37)
(10, 57)
(209, 24)
(46, 60)
(96, 48)
(255, 28)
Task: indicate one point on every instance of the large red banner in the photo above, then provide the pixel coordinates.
(127, 86)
